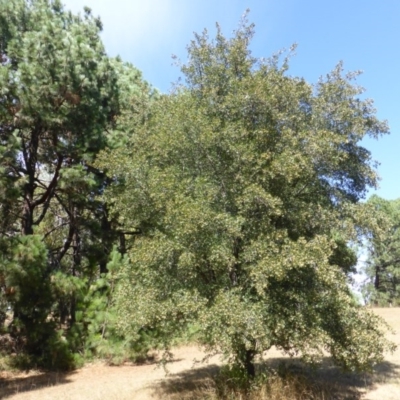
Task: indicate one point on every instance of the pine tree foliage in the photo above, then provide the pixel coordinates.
(243, 193)
(25, 271)
(61, 100)
(59, 92)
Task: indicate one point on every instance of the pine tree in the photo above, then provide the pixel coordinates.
(59, 95)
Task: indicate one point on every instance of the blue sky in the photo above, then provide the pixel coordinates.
(365, 34)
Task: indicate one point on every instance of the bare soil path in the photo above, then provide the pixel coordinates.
(144, 382)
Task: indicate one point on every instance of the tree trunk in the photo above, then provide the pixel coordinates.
(377, 280)
(122, 243)
(249, 363)
(27, 219)
(245, 357)
(106, 241)
(76, 266)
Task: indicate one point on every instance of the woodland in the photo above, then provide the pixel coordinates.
(229, 211)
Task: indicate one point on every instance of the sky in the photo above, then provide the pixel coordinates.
(364, 34)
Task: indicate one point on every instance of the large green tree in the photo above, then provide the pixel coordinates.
(242, 191)
(59, 100)
(383, 259)
(58, 95)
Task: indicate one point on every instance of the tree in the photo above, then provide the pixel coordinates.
(243, 193)
(59, 93)
(59, 96)
(383, 245)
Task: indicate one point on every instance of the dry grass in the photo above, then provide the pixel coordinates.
(291, 382)
(296, 382)
(386, 383)
(187, 382)
(293, 387)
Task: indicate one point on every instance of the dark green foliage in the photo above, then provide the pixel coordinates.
(25, 271)
(59, 94)
(383, 262)
(28, 291)
(96, 320)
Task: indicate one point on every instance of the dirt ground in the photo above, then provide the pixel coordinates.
(143, 382)
(386, 384)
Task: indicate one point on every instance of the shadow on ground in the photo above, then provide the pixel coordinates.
(331, 381)
(13, 383)
(18, 384)
(186, 384)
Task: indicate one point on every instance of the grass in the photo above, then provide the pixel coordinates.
(290, 386)
(290, 381)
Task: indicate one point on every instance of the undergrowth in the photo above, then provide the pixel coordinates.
(281, 384)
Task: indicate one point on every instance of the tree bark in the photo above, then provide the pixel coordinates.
(377, 278)
(249, 363)
(77, 260)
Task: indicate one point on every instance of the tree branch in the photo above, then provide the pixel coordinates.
(54, 229)
(387, 264)
(48, 194)
(67, 243)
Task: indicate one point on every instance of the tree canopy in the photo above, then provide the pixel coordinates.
(228, 206)
(61, 101)
(383, 254)
(242, 192)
